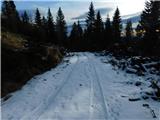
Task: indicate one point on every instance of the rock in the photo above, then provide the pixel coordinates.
(134, 99)
(145, 97)
(131, 70)
(138, 83)
(156, 98)
(145, 105)
(149, 93)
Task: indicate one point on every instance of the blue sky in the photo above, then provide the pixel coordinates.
(78, 8)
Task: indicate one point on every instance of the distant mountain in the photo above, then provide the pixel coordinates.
(30, 12)
(103, 11)
(132, 17)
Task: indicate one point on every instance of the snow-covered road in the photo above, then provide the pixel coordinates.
(81, 88)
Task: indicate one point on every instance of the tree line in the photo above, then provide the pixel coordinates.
(96, 36)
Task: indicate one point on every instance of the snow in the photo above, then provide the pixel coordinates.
(82, 87)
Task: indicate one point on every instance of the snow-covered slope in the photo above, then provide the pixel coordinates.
(83, 87)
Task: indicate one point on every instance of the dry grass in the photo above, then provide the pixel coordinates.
(12, 41)
(20, 64)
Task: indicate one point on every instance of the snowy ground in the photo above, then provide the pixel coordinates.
(83, 87)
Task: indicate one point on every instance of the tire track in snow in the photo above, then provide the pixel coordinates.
(113, 115)
(96, 80)
(101, 93)
(91, 89)
(91, 96)
(37, 112)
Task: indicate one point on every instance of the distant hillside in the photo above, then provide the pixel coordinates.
(135, 18)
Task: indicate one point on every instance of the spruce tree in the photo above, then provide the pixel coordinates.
(50, 28)
(25, 17)
(76, 36)
(26, 27)
(80, 30)
(40, 34)
(90, 18)
(116, 26)
(139, 32)
(108, 35)
(98, 31)
(150, 22)
(10, 16)
(73, 36)
(38, 18)
(61, 28)
(44, 22)
(80, 36)
(90, 26)
(129, 31)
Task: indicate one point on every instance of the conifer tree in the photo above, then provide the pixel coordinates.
(90, 26)
(150, 23)
(76, 36)
(139, 32)
(116, 26)
(38, 18)
(50, 28)
(80, 35)
(80, 30)
(61, 28)
(108, 35)
(26, 27)
(44, 22)
(129, 31)
(25, 17)
(90, 18)
(10, 16)
(98, 31)
(98, 22)
(40, 34)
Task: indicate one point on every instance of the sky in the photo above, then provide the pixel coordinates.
(77, 9)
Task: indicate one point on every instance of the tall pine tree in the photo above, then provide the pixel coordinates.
(116, 26)
(80, 30)
(129, 31)
(26, 27)
(80, 36)
(98, 32)
(90, 26)
(73, 36)
(40, 34)
(38, 18)
(61, 28)
(10, 16)
(139, 32)
(90, 18)
(44, 22)
(150, 23)
(25, 17)
(76, 36)
(50, 28)
(108, 35)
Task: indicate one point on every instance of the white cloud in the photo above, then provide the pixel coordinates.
(74, 8)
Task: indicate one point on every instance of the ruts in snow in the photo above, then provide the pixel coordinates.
(83, 88)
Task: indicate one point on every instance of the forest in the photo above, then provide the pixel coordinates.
(45, 39)
(97, 68)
